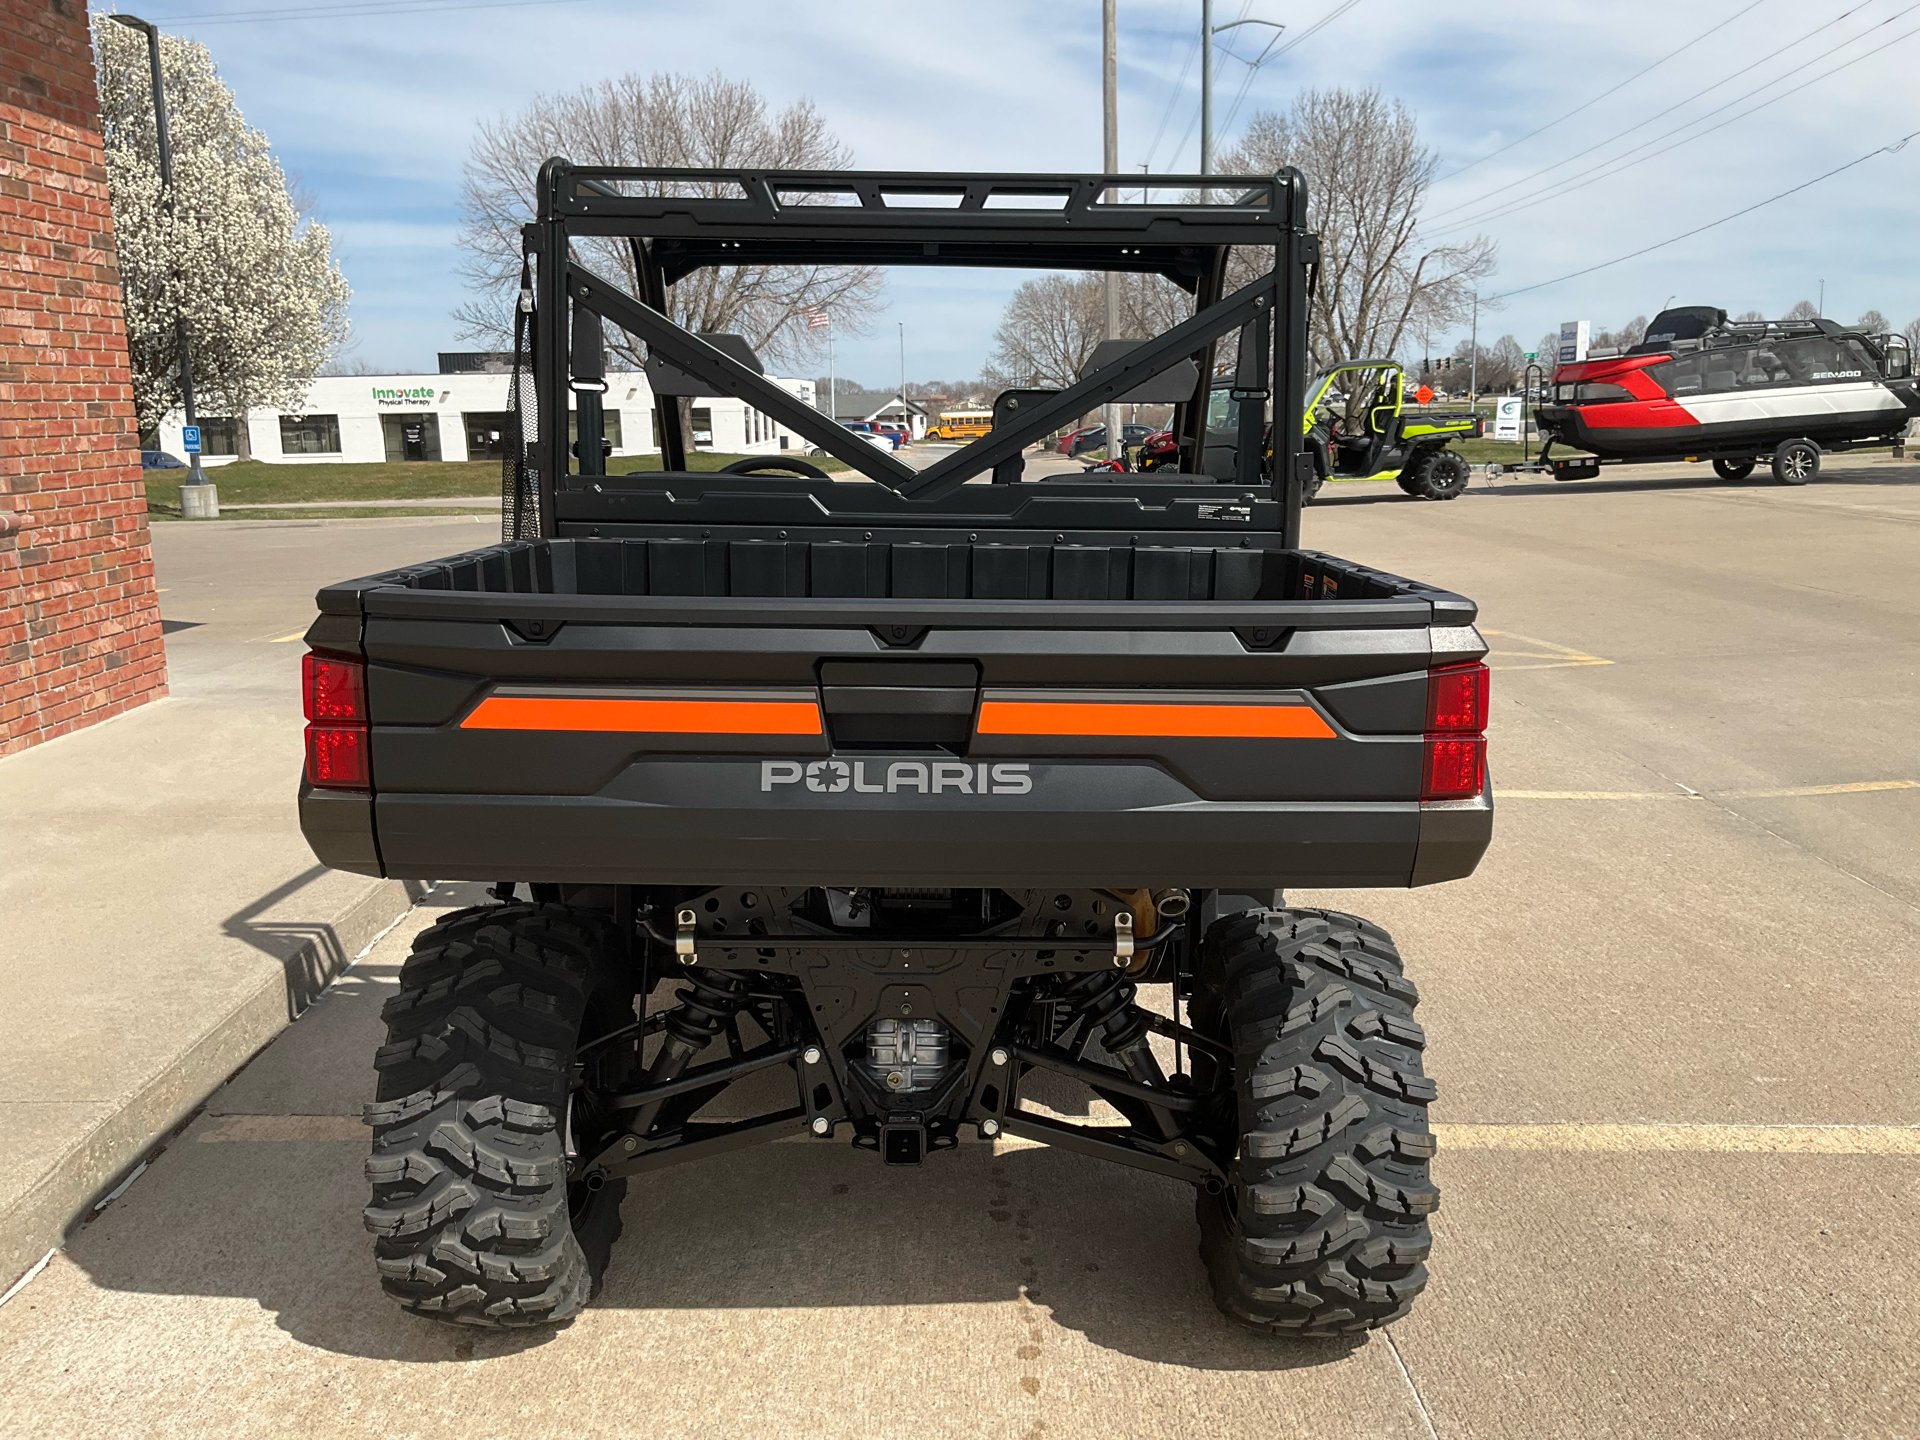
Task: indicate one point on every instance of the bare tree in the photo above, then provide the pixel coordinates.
(1912, 331)
(1803, 310)
(1048, 332)
(1874, 323)
(1367, 179)
(1052, 325)
(1749, 317)
(662, 119)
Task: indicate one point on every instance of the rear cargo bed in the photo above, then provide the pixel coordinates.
(899, 712)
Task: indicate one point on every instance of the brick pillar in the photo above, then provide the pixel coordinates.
(79, 614)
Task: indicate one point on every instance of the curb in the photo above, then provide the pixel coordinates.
(65, 1193)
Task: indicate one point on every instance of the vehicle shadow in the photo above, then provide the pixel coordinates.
(816, 1225)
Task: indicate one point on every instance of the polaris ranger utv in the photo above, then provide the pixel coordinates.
(898, 789)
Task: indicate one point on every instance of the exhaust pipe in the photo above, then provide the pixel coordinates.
(1170, 903)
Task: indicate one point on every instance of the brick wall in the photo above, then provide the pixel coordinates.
(79, 613)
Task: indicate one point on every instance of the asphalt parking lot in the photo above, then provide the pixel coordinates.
(1672, 1019)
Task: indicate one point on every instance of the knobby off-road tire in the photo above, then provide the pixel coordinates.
(474, 1216)
(1440, 475)
(1322, 1229)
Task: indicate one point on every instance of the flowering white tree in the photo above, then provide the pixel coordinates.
(229, 249)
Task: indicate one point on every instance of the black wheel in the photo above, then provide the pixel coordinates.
(1796, 462)
(1437, 475)
(476, 1219)
(1322, 1228)
(1733, 469)
(768, 464)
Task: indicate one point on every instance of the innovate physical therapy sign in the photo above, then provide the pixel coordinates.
(408, 395)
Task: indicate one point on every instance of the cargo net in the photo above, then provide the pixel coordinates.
(519, 494)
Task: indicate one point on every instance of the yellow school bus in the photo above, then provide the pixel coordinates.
(960, 425)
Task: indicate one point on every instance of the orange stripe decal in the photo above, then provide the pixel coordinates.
(1227, 722)
(660, 717)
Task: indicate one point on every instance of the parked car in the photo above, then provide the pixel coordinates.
(899, 434)
(160, 460)
(892, 439)
(1094, 437)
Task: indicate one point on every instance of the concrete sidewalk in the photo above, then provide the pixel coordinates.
(164, 917)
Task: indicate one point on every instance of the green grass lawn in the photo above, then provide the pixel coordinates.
(253, 482)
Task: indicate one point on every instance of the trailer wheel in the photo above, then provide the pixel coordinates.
(1442, 475)
(1322, 1228)
(476, 1220)
(1733, 469)
(1796, 462)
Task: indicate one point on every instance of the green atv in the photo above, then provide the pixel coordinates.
(1361, 434)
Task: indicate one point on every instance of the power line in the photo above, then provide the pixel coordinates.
(1678, 104)
(1888, 149)
(1620, 163)
(1604, 93)
(1173, 99)
(1320, 24)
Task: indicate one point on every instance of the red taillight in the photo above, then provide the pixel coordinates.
(334, 690)
(1457, 699)
(1456, 758)
(1456, 767)
(337, 756)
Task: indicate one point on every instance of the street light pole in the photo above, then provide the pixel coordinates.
(1110, 91)
(203, 503)
(1473, 360)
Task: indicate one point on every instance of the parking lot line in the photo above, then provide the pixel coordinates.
(1787, 792)
(1544, 654)
(1729, 1139)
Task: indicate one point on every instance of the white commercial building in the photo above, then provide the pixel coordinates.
(358, 418)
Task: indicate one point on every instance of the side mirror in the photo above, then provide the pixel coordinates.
(1899, 358)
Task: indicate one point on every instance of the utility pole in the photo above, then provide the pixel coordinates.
(1207, 31)
(1110, 91)
(1821, 306)
(202, 504)
(903, 379)
(1206, 87)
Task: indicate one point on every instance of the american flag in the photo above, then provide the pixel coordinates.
(818, 320)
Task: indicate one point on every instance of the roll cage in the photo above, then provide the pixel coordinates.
(678, 221)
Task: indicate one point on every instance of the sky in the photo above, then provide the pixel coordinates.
(371, 108)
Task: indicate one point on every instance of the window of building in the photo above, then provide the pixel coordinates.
(220, 434)
(486, 433)
(702, 417)
(609, 427)
(310, 434)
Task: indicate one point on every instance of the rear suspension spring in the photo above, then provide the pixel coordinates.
(712, 998)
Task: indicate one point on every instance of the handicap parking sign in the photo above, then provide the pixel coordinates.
(190, 439)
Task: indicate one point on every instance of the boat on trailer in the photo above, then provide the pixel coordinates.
(1701, 387)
